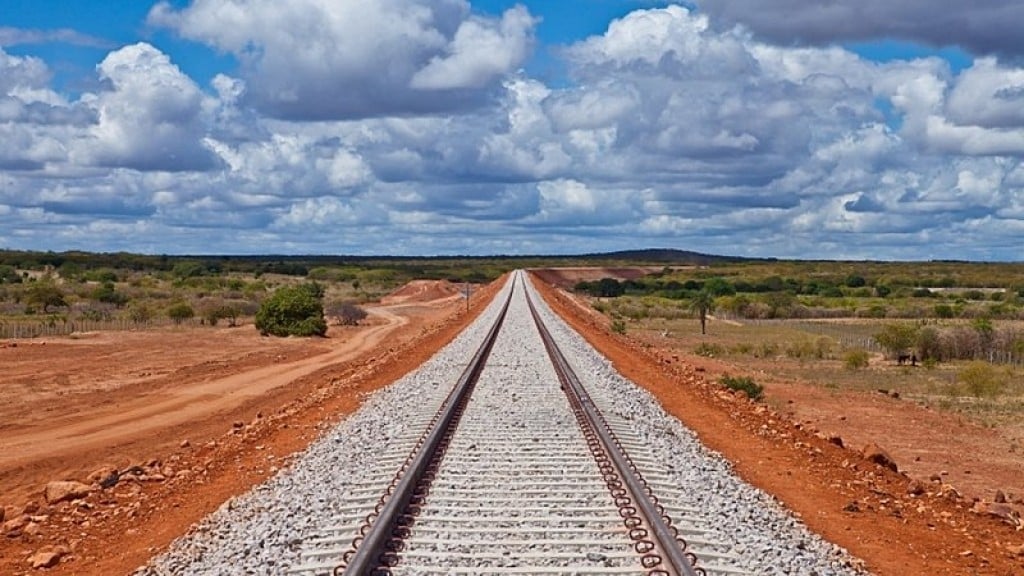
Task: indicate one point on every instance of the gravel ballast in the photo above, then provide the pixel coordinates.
(266, 530)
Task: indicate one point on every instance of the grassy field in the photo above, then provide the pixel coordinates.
(801, 351)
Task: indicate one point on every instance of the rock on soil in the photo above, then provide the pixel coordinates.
(48, 557)
(62, 490)
(876, 454)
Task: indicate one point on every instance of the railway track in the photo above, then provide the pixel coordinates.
(529, 473)
(519, 472)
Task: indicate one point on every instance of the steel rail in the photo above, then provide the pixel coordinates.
(680, 563)
(367, 558)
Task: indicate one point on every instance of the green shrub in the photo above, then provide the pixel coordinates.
(619, 326)
(292, 311)
(752, 389)
(180, 312)
(856, 359)
(107, 294)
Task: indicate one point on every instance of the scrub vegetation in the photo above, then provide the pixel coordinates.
(947, 334)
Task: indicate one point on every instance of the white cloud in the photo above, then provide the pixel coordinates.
(646, 36)
(324, 212)
(481, 51)
(988, 95)
(593, 107)
(330, 59)
(150, 119)
(944, 136)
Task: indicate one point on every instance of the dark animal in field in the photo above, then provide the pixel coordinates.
(904, 358)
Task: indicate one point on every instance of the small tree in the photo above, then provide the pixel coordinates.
(719, 287)
(347, 313)
(929, 344)
(229, 312)
(702, 304)
(897, 338)
(855, 281)
(107, 294)
(292, 311)
(609, 288)
(180, 312)
(8, 275)
(45, 293)
(140, 313)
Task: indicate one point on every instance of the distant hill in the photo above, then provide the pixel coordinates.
(299, 264)
(664, 256)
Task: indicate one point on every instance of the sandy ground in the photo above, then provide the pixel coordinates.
(205, 414)
(65, 398)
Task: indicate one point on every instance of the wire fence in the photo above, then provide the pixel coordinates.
(20, 329)
(855, 336)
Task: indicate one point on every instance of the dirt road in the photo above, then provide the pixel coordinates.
(168, 406)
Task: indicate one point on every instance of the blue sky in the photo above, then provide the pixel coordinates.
(857, 130)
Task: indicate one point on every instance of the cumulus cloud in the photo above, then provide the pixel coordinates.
(325, 59)
(988, 95)
(688, 103)
(34, 119)
(570, 203)
(980, 26)
(481, 51)
(151, 118)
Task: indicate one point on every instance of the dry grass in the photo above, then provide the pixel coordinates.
(788, 351)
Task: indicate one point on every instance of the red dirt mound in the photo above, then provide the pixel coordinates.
(567, 277)
(419, 291)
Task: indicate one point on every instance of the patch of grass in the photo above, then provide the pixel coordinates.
(752, 389)
(817, 349)
(981, 379)
(618, 326)
(743, 348)
(708, 350)
(767, 350)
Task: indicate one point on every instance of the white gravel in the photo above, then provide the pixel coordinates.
(310, 504)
